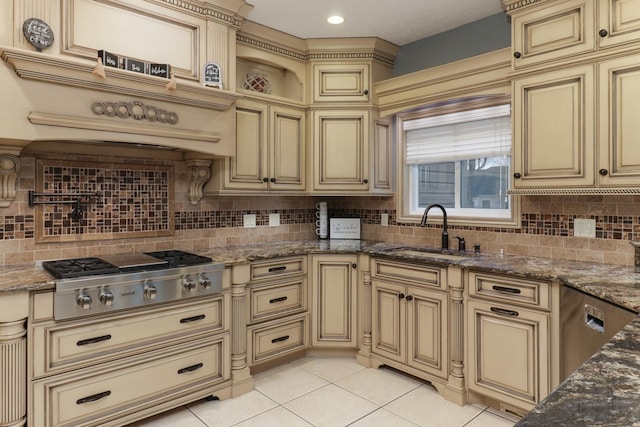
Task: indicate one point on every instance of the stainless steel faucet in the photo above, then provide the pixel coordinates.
(445, 233)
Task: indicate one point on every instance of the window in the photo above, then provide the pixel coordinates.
(460, 159)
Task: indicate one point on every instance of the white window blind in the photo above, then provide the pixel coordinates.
(485, 132)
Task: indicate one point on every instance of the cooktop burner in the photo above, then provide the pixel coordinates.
(177, 258)
(79, 267)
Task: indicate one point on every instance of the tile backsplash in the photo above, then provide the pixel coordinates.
(141, 199)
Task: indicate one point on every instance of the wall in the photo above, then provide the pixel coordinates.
(482, 36)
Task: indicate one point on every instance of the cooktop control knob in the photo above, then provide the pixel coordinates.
(189, 284)
(84, 301)
(150, 291)
(205, 282)
(106, 298)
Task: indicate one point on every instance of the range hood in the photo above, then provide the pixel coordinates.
(55, 98)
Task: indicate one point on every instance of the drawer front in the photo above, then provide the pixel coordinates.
(433, 277)
(276, 339)
(66, 345)
(510, 290)
(278, 268)
(270, 301)
(82, 400)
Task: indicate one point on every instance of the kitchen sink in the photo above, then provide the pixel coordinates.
(429, 254)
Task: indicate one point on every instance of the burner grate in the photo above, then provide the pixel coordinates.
(79, 267)
(177, 258)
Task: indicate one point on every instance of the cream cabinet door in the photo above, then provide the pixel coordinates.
(287, 149)
(270, 150)
(553, 130)
(619, 127)
(340, 82)
(389, 330)
(553, 32)
(508, 353)
(619, 21)
(382, 157)
(334, 301)
(341, 150)
(248, 168)
(427, 338)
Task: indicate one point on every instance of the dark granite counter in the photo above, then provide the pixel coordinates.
(604, 391)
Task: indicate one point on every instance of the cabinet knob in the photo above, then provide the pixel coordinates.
(603, 172)
(517, 55)
(365, 181)
(400, 296)
(354, 265)
(517, 175)
(366, 92)
(603, 33)
(272, 180)
(409, 298)
(265, 179)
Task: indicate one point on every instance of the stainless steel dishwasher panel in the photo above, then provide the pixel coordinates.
(586, 324)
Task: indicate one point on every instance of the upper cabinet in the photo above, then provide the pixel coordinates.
(576, 85)
(546, 32)
(351, 148)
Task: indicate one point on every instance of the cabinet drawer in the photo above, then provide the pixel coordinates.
(81, 400)
(509, 289)
(277, 300)
(278, 268)
(66, 345)
(274, 339)
(424, 275)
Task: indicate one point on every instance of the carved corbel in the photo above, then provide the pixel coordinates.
(200, 174)
(9, 169)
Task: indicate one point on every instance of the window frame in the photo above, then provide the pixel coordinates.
(404, 172)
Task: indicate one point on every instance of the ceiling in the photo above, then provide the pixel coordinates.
(397, 21)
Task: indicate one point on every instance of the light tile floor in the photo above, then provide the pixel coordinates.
(332, 392)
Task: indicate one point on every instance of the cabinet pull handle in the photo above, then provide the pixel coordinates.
(93, 340)
(279, 268)
(279, 299)
(93, 398)
(517, 175)
(506, 289)
(504, 312)
(603, 172)
(192, 319)
(191, 368)
(284, 338)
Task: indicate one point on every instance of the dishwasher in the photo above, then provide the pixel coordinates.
(586, 324)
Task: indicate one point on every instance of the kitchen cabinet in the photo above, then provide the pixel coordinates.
(270, 149)
(334, 299)
(109, 370)
(410, 317)
(277, 317)
(341, 150)
(553, 115)
(512, 349)
(554, 31)
(347, 82)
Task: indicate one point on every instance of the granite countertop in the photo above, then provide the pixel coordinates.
(605, 390)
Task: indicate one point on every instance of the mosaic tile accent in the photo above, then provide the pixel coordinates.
(133, 201)
(17, 227)
(230, 219)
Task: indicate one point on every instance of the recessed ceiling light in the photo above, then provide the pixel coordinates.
(335, 19)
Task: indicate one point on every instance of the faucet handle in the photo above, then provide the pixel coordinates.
(461, 243)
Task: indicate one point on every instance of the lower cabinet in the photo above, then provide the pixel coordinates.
(411, 326)
(334, 296)
(116, 369)
(509, 346)
(276, 299)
